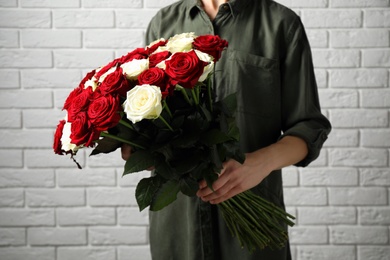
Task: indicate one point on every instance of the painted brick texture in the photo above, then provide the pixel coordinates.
(49, 210)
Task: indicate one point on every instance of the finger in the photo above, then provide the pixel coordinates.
(220, 182)
(233, 192)
(126, 151)
(220, 193)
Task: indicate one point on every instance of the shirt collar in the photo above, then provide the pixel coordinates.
(194, 6)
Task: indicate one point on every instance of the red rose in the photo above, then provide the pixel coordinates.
(115, 82)
(156, 58)
(210, 44)
(68, 102)
(156, 76)
(79, 103)
(154, 47)
(106, 68)
(184, 68)
(81, 131)
(87, 77)
(103, 112)
(57, 145)
(137, 54)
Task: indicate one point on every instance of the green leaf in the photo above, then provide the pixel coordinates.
(145, 191)
(210, 176)
(106, 145)
(214, 136)
(188, 186)
(229, 104)
(138, 161)
(163, 169)
(165, 195)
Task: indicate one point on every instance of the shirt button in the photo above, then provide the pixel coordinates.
(226, 7)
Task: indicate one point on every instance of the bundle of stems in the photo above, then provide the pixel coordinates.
(256, 222)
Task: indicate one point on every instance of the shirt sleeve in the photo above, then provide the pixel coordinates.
(301, 112)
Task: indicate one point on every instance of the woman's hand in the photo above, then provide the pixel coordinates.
(236, 178)
(126, 151)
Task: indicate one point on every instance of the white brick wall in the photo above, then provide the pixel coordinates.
(49, 210)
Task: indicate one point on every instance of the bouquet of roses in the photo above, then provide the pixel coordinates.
(160, 101)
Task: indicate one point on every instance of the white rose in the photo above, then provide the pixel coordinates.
(91, 83)
(133, 68)
(181, 42)
(209, 68)
(65, 139)
(143, 102)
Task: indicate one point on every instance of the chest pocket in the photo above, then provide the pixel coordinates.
(256, 80)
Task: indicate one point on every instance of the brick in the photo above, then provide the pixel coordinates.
(359, 118)
(86, 177)
(332, 18)
(113, 159)
(321, 78)
(30, 253)
(10, 178)
(9, 39)
(131, 216)
(25, 59)
(86, 253)
(328, 177)
(359, 38)
(374, 177)
(9, 79)
(306, 3)
(326, 252)
(305, 196)
(50, 3)
(49, 78)
(376, 58)
(26, 217)
(357, 196)
(318, 38)
(158, 3)
(321, 160)
(12, 236)
(111, 197)
(10, 118)
(343, 138)
(357, 157)
(377, 98)
(56, 236)
(85, 216)
(374, 252)
(358, 235)
(8, 3)
(83, 19)
(332, 98)
(308, 235)
(134, 18)
(25, 138)
(113, 39)
(374, 215)
(45, 158)
(377, 18)
(117, 235)
(327, 215)
(11, 198)
(375, 138)
(11, 158)
(356, 78)
(81, 58)
(26, 99)
(290, 177)
(137, 252)
(38, 118)
(51, 39)
(18, 18)
(112, 4)
(359, 3)
(55, 197)
(324, 58)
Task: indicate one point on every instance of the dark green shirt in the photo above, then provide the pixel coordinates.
(269, 64)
